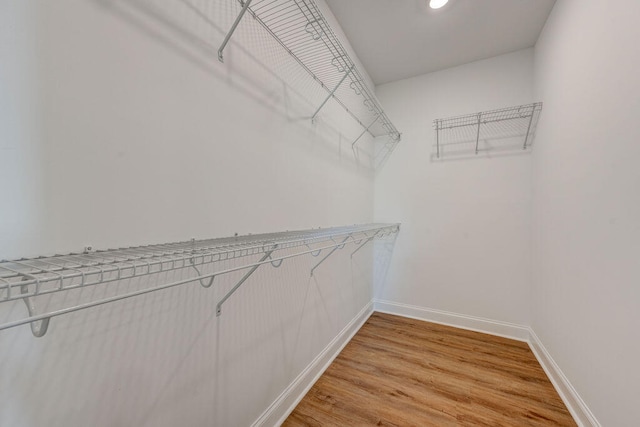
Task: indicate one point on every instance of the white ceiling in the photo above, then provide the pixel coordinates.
(396, 39)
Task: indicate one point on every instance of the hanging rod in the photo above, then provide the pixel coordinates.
(30, 278)
(519, 121)
(302, 30)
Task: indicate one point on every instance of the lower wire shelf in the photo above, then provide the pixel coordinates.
(30, 278)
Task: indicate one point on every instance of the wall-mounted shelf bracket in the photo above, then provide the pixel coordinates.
(364, 243)
(436, 123)
(266, 256)
(332, 92)
(245, 7)
(331, 252)
(478, 133)
(526, 137)
(365, 131)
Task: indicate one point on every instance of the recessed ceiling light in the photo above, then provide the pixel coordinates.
(437, 4)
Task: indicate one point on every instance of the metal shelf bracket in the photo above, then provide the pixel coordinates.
(244, 279)
(331, 252)
(437, 124)
(478, 134)
(332, 92)
(364, 243)
(526, 137)
(365, 131)
(245, 6)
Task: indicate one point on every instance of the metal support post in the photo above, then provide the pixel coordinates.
(233, 29)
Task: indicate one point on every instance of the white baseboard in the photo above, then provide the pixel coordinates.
(477, 324)
(280, 409)
(578, 408)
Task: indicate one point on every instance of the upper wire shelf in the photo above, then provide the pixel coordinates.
(301, 29)
(501, 129)
(28, 279)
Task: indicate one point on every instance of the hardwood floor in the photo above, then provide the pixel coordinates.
(404, 372)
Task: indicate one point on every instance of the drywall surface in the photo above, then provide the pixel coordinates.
(21, 159)
(587, 204)
(136, 134)
(143, 127)
(466, 224)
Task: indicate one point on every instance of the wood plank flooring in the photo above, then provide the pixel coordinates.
(404, 372)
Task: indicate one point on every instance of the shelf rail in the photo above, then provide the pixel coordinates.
(302, 30)
(519, 121)
(29, 278)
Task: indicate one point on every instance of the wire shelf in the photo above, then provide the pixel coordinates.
(27, 279)
(302, 30)
(505, 128)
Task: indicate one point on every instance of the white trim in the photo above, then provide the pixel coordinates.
(572, 400)
(578, 408)
(280, 409)
(477, 324)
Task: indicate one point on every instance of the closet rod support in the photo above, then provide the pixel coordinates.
(233, 29)
(38, 327)
(365, 130)
(244, 278)
(332, 92)
(340, 246)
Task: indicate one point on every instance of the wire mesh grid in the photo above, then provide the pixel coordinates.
(501, 129)
(302, 30)
(36, 276)
(267, 70)
(27, 278)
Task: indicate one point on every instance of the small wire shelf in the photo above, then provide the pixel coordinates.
(301, 29)
(30, 278)
(495, 130)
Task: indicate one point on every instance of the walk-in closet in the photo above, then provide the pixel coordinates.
(230, 213)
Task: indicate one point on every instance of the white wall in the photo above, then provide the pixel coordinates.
(21, 159)
(136, 134)
(586, 202)
(217, 143)
(465, 245)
